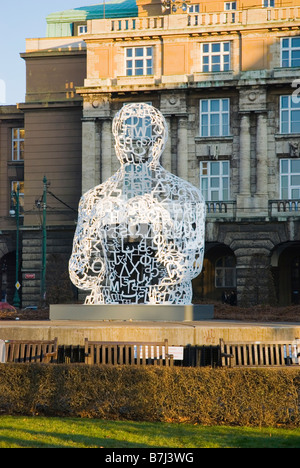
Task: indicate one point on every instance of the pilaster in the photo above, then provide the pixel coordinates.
(244, 201)
(166, 160)
(262, 164)
(90, 153)
(182, 153)
(106, 150)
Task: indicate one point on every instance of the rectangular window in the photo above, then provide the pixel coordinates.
(290, 179)
(194, 8)
(82, 30)
(290, 52)
(225, 273)
(215, 180)
(18, 135)
(214, 117)
(228, 6)
(216, 56)
(289, 114)
(14, 188)
(139, 61)
(268, 3)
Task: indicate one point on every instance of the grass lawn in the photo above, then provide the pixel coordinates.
(40, 432)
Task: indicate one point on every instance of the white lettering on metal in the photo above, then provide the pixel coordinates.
(140, 234)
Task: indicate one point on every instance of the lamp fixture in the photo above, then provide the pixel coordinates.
(174, 5)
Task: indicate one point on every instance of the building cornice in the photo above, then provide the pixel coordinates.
(28, 106)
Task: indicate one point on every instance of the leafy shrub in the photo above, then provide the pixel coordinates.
(247, 397)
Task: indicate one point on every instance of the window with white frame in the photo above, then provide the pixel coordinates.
(215, 180)
(18, 136)
(289, 114)
(268, 3)
(194, 8)
(225, 272)
(215, 56)
(290, 52)
(82, 30)
(139, 61)
(228, 6)
(214, 117)
(290, 179)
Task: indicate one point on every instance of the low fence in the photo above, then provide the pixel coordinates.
(193, 356)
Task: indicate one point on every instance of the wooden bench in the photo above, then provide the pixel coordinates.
(127, 353)
(256, 354)
(31, 351)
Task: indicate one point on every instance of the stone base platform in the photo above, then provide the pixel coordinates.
(206, 332)
(131, 312)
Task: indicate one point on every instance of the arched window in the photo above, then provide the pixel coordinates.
(225, 272)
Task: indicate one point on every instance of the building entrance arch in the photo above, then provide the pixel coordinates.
(285, 263)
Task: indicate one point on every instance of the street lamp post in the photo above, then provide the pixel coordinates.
(16, 196)
(44, 242)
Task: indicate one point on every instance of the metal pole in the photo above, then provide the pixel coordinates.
(16, 299)
(44, 241)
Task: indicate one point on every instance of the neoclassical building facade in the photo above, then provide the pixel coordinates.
(225, 77)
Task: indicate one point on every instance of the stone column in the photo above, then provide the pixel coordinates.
(262, 156)
(245, 155)
(90, 154)
(166, 160)
(106, 150)
(182, 148)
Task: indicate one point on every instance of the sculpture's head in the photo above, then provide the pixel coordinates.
(140, 133)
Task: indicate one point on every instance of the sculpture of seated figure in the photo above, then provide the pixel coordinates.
(140, 234)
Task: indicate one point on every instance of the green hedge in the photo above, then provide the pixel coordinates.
(253, 397)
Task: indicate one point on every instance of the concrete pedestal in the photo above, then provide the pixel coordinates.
(174, 313)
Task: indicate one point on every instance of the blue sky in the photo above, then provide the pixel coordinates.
(21, 19)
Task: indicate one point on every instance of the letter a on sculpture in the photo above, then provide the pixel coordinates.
(140, 234)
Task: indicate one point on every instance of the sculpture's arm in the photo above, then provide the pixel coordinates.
(86, 265)
(181, 244)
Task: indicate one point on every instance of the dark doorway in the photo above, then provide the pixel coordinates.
(295, 280)
(7, 277)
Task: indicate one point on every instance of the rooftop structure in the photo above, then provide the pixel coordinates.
(66, 23)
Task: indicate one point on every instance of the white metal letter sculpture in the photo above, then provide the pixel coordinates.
(140, 234)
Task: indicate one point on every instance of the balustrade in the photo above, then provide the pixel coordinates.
(241, 17)
(221, 209)
(284, 208)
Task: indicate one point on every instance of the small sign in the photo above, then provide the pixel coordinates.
(176, 351)
(29, 276)
(18, 285)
